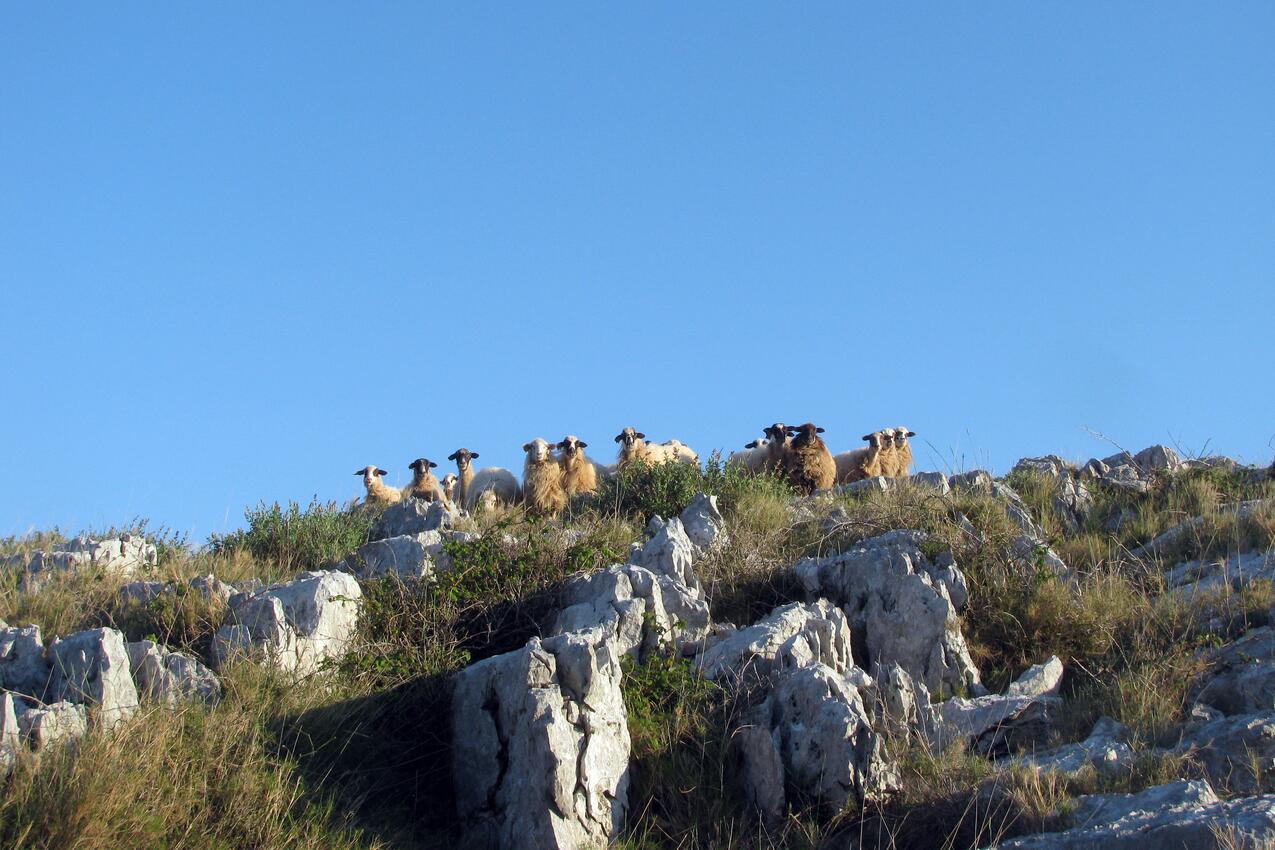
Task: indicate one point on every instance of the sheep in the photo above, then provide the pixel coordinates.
(858, 464)
(542, 479)
(808, 463)
(378, 492)
(424, 485)
(473, 484)
(778, 443)
(752, 459)
(579, 474)
(449, 487)
(633, 446)
(902, 455)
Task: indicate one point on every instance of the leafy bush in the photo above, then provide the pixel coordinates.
(295, 539)
(643, 490)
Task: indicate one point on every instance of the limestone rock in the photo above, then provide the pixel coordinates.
(91, 668)
(404, 555)
(413, 516)
(166, 676)
(1039, 680)
(1242, 675)
(1106, 749)
(933, 481)
(977, 481)
(23, 666)
(541, 746)
(994, 724)
(792, 635)
(51, 724)
(902, 604)
(10, 741)
(669, 552)
(124, 555)
(703, 523)
(1231, 748)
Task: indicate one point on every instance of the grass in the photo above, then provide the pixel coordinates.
(358, 756)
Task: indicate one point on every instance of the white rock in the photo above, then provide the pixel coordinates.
(933, 481)
(978, 481)
(167, 676)
(992, 724)
(1106, 749)
(1039, 680)
(51, 724)
(669, 552)
(121, 556)
(10, 740)
(1230, 749)
(91, 668)
(1241, 678)
(413, 516)
(904, 605)
(211, 588)
(297, 625)
(540, 750)
(703, 523)
(793, 635)
(23, 666)
(404, 555)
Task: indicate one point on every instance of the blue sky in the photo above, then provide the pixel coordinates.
(246, 249)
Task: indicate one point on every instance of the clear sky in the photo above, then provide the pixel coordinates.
(246, 249)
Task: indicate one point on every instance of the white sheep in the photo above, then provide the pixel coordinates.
(858, 464)
(472, 484)
(542, 479)
(752, 458)
(424, 485)
(449, 483)
(633, 446)
(579, 473)
(378, 492)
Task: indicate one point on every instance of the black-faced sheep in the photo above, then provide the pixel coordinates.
(542, 479)
(778, 441)
(472, 485)
(378, 492)
(808, 463)
(424, 485)
(858, 464)
(579, 474)
(633, 446)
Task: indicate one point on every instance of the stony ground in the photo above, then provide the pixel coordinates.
(1069, 656)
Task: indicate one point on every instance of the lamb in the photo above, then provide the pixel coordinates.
(492, 478)
(378, 492)
(424, 485)
(808, 464)
(901, 457)
(579, 474)
(449, 487)
(542, 479)
(752, 459)
(866, 462)
(633, 446)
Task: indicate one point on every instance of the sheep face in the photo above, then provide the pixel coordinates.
(804, 435)
(876, 439)
(371, 474)
(628, 437)
(420, 466)
(777, 432)
(538, 451)
(901, 435)
(463, 457)
(571, 445)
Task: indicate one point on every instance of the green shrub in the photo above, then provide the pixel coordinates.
(644, 491)
(294, 539)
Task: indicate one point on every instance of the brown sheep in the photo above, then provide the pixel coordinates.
(424, 485)
(808, 464)
(902, 452)
(542, 479)
(866, 462)
(579, 474)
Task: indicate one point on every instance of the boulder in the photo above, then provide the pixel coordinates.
(1154, 825)
(1235, 752)
(91, 668)
(211, 588)
(540, 747)
(1039, 680)
(296, 625)
(876, 484)
(932, 481)
(978, 481)
(903, 606)
(23, 666)
(1106, 750)
(703, 523)
(793, 635)
(404, 555)
(635, 609)
(1196, 578)
(1092, 809)
(166, 676)
(902, 705)
(124, 555)
(143, 592)
(413, 516)
(51, 724)
(995, 724)
(1050, 465)
(1241, 677)
(669, 552)
(812, 738)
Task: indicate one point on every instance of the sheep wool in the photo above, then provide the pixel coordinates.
(858, 464)
(902, 452)
(809, 464)
(633, 447)
(471, 485)
(579, 474)
(378, 492)
(424, 485)
(542, 479)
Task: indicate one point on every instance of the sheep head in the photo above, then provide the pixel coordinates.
(571, 444)
(777, 433)
(421, 466)
(876, 439)
(629, 436)
(370, 475)
(538, 451)
(901, 435)
(463, 458)
(804, 435)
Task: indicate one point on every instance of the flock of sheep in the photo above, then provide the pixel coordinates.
(555, 472)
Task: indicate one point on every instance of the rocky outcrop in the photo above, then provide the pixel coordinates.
(51, 724)
(145, 592)
(23, 666)
(413, 516)
(903, 606)
(995, 724)
(540, 746)
(124, 555)
(1196, 578)
(91, 668)
(404, 555)
(1235, 752)
(1182, 815)
(703, 523)
(1106, 750)
(1241, 677)
(791, 636)
(169, 677)
(10, 737)
(295, 626)
(668, 552)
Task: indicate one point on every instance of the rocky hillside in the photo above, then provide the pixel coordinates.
(1069, 656)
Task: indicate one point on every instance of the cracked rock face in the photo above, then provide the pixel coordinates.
(1243, 676)
(635, 609)
(23, 666)
(91, 668)
(992, 724)
(124, 556)
(1106, 750)
(10, 741)
(541, 745)
(413, 516)
(703, 523)
(51, 724)
(404, 555)
(167, 676)
(792, 635)
(903, 605)
(669, 552)
(812, 734)
(296, 625)
(1235, 752)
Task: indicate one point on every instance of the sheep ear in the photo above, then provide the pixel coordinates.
(360, 472)
(432, 464)
(619, 437)
(818, 430)
(640, 435)
(526, 447)
(868, 437)
(582, 444)
(911, 433)
(380, 471)
(473, 455)
(452, 456)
